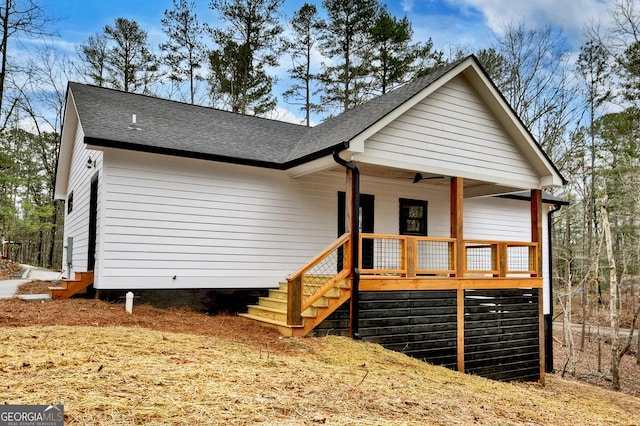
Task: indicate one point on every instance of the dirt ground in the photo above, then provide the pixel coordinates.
(7, 267)
(83, 312)
(90, 312)
(184, 367)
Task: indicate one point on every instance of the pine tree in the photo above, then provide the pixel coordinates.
(120, 58)
(345, 40)
(184, 51)
(305, 25)
(251, 36)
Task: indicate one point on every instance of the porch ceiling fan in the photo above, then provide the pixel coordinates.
(418, 177)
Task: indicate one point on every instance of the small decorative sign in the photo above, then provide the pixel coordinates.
(32, 415)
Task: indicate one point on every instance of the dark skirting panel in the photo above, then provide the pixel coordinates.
(421, 324)
(501, 328)
(501, 337)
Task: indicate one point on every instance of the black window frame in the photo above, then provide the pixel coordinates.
(70, 203)
(404, 204)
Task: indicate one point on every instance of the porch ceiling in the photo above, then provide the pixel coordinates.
(473, 188)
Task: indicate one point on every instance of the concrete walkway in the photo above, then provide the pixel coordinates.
(591, 331)
(9, 288)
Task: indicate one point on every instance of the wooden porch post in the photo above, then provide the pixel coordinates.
(456, 227)
(536, 237)
(456, 219)
(348, 205)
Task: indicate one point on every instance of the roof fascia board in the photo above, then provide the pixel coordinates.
(545, 199)
(97, 143)
(67, 140)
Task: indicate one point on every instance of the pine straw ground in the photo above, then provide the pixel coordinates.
(177, 367)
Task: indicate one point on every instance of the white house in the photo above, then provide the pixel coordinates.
(165, 195)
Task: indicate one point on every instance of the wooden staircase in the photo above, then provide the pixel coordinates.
(68, 288)
(272, 310)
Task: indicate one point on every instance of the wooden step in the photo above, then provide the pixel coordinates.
(285, 330)
(281, 305)
(268, 313)
(68, 288)
(272, 310)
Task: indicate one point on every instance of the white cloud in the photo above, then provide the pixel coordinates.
(570, 15)
(407, 5)
(283, 114)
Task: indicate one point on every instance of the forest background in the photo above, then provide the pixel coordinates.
(578, 95)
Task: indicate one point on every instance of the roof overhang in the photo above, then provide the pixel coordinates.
(70, 125)
(476, 76)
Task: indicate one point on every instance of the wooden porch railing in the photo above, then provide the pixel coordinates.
(403, 256)
(317, 277)
(409, 256)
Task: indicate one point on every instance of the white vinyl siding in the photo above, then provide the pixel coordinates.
(76, 223)
(508, 220)
(451, 132)
(210, 225)
(215, 225)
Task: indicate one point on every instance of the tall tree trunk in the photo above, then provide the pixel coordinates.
(613, 300)
(52, 233)
(566, 319)
(4, 41)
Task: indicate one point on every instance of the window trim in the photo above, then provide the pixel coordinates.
(70, 203)
(409, 202)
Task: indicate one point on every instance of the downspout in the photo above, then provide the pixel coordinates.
(355, 246)
(548, 318)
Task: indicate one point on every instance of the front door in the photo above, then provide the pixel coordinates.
(366, 224)
(93, 223)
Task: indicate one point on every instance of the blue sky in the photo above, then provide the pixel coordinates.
(446, 21)
(470, 24)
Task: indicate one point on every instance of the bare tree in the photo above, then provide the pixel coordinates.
(618, 349)
(537, 83)
(17, 18)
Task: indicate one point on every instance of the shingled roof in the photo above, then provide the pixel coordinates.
(176, 128)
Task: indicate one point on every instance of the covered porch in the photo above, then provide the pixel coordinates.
(359, 264)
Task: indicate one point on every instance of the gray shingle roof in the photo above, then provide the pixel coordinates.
(181, 129)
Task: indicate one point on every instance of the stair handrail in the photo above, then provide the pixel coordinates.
(295, 303)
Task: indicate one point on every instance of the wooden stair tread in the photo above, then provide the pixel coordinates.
(269, 320)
